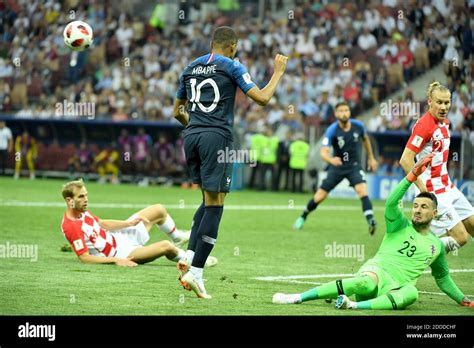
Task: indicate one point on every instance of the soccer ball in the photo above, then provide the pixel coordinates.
(78, 36)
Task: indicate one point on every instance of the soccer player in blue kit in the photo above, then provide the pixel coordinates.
(205, 106)
(345, 137)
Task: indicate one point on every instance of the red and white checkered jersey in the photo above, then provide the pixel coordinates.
(431, 136)
(85, 234)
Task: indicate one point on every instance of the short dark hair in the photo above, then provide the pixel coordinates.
(223, 37)
(342, 103)
(429, 195)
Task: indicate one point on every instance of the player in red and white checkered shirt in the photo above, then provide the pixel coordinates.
(431, 135)
(121, 242)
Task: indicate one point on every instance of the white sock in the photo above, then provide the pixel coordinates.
(450, 243)
(190, 255)
(181, 255)
(352, 305)
(197, 272)
(169, 227)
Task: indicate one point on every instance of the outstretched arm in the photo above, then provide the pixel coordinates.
(263, 96)
(394, 217)
(440, 271)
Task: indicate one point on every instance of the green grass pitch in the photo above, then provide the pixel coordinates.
(252, 243)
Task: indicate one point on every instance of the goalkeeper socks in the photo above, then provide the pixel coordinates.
(195, 227)
(207, 234)
(396, 299)
(362, 285)
(367, 208)
(169, 227)
(309, 208)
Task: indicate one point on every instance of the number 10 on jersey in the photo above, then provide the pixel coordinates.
(196, 95)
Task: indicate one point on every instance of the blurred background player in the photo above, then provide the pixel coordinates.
(125, 142)
(81, 162)
(387, 281)
(164, 158)
(107, 162)
(345, 137)
(142, 155)
(283, 158)
(298, 151)
(431, 135)
(6, 145)
(25, 148)
(207, 89)
(117, 241)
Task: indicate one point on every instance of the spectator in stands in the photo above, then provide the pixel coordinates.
(125, 142)
(25, 148)
(142, 155)
(107, 162)
(81, 162)
(366, 41)
(283, 165)
(164, 160)
(6, 145)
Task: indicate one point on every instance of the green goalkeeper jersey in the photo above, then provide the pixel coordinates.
(406, 253)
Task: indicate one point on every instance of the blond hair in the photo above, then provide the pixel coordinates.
(68, 189)
(435, 86)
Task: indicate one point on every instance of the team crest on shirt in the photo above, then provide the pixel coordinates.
(356, 137)
(340, 142)
(93, 237)
(433, 250)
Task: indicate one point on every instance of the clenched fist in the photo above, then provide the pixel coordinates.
(280, 63)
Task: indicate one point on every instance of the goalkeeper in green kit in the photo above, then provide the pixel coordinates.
(387, 281)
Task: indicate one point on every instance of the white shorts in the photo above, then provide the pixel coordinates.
(130, 238)
(453, 207)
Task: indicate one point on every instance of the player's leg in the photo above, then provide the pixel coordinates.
(216, 179)
(364, 284)
(153, 251)
(18, 163)
(394, 299)
(469, 225)
(361, 190)
(30, 163)
(456, 238)
(357, 180)
(157, 215)
(332, 180)
(193, 161)
(101, 172)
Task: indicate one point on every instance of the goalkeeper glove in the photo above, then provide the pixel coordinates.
(419, 167)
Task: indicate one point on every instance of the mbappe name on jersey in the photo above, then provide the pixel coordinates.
(204, 70)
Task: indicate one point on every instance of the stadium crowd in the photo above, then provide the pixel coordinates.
(360, 52)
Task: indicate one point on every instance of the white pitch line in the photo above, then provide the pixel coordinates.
(186, 206)
(295, 279)
(338, 275)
